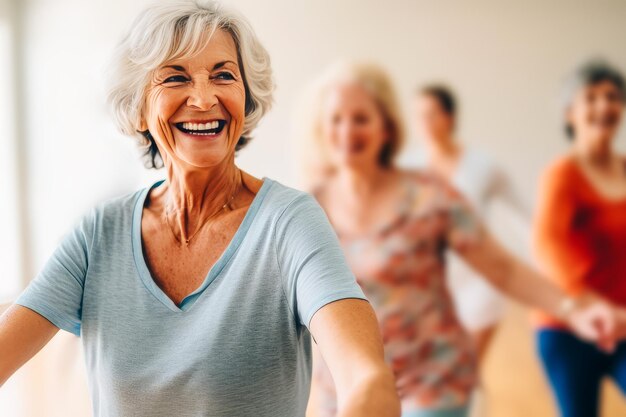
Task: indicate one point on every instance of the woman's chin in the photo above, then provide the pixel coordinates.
(604, 136)
(203, 158)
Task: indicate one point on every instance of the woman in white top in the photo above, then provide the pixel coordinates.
(483, 183)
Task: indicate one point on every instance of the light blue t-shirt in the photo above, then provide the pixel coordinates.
(236, 346)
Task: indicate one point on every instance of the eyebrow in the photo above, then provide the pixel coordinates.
(176, 67)
(221, 64)
(216, 66)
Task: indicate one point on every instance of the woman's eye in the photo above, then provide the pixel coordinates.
(175, 79)
(614, 96)
(589, 98)
(225, 76)
(361, 119)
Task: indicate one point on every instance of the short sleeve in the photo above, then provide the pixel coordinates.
(56, 292)
(314, 269)
(462, 226)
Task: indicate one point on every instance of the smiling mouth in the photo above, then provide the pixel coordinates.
(211, 128)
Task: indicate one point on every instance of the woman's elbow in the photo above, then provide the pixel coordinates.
(374, 395)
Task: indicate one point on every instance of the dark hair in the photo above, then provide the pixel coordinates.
(590, 73)
(443, 95)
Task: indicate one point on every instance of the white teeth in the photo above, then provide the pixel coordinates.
(201, 126)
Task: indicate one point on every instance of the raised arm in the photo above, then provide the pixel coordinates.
(22, 334)
(348, 338)
(591, 319)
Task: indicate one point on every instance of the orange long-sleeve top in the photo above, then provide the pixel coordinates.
(579, 237)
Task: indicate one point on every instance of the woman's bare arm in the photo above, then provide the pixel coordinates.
(22, 334)
(348, 337)
(590, 319)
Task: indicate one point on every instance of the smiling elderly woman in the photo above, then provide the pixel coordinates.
(195, 296)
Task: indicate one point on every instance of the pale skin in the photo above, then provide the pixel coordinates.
(361, 195)
(201, 178)
(437, 128)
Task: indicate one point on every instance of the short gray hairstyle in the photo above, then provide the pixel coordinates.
(589, 73)
(175, 29)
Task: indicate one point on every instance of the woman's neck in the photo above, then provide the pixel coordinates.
(596, 153)
(443, 148)
(444, 154)
(361, 181)
(193, 195)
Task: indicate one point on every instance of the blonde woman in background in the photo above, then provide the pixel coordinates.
(395, 227)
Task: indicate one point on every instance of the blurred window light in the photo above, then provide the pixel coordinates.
(10, 279)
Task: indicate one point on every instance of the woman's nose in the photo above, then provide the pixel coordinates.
(346, 130)
(202, 97)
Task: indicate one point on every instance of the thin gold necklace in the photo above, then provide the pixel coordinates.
(205, 221)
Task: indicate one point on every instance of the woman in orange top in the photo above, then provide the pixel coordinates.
(580, 236)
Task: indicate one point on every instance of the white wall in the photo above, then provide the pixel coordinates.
(9, 196)
(505, 59)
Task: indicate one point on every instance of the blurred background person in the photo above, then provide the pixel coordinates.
(486, 186)
(395, 227)
(580, 235)
(482, 182)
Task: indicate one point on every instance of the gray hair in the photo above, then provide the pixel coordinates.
(589, 73)
(175, 29)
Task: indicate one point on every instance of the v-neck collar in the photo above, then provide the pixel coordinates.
(142, 267)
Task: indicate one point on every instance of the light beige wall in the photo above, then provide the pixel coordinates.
(504, 58)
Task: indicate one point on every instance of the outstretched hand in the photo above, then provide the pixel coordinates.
(598, 322)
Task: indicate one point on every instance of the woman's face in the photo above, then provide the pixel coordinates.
(195, 106)
(353, 126)
(595, 112)
(433, 122)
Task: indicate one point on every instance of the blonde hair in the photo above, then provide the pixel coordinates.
(171, 30)
(375, 80)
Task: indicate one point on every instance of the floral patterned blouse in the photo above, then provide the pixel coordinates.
(401, 269)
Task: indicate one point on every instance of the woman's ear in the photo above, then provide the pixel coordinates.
(142, 126)
(451, 123)
(568, 114)
(569, 122)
